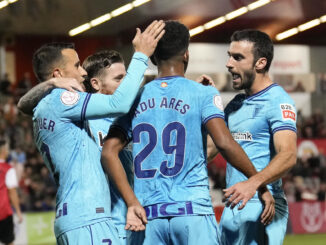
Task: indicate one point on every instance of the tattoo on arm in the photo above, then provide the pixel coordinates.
(27, 103)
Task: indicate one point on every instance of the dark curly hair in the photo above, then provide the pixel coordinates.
(175, 41)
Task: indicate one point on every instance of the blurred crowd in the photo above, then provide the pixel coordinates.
(306, 181)
(36, 186)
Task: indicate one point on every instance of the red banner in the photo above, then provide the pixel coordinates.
(308, 217)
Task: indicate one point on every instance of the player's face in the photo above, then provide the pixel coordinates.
(71, 67)
(241, 64)
(112, 78)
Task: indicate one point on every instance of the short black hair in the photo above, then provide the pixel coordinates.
(263, 45)
(175, 41)
(46, 56)
(96, 63)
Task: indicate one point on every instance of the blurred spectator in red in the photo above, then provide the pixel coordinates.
(8, 194)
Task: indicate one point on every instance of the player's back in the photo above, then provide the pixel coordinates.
(73, 158)
(169, 147)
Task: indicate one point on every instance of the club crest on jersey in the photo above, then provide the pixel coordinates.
(69, 98)
(288, 112)
(218, 102)
(164, 84)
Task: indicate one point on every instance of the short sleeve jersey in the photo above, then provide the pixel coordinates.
(167, 127)
(252, 121)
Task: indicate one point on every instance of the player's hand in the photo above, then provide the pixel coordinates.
(242, 191)
(20, 217)
(136, 218)
(70, 84)
(269, 205)
(146, 42)
(205, 80)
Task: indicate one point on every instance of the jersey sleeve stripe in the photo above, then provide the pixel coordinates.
(284, 128)
(83, 112)
(213, 116)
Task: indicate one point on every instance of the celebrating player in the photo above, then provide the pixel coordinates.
(168, 126)
(105, 71)
(61, 132)
(263, 122)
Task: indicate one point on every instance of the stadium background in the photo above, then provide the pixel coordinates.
(299, 66)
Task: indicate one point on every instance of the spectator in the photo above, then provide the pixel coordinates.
(8, 194)
(5, 85)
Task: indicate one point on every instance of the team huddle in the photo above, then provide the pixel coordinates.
(130, 160)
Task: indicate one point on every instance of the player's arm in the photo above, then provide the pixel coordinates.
(212, 150)
(13, 196)
(265, 196)
(11, 184)
(285, 143)
(27, 103)
(115, 142)
(122, 99)
(234, 154)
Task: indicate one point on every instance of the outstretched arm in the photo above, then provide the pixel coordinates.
(136, 215)
(27, 103)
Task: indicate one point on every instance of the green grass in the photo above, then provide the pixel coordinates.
(305, 239)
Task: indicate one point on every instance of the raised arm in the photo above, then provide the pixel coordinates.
(27, 103)
(115, 142)
(122, 99)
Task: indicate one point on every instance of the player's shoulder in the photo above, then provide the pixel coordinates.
(277, 94)
(200, 87)
(6, 166)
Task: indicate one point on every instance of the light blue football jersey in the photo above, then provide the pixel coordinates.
(99, 129)
(252, 121)
(167, 127)
(62, 136)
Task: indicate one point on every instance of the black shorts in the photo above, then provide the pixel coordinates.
(7, 230)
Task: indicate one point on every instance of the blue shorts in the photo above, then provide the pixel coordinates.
(181, 230)
(245, 227)
(103, 232)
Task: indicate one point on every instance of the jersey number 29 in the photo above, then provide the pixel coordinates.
(178, 149)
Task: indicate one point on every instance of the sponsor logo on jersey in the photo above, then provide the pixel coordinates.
(69, 98)
(218, 102)
(247, 136)
(288, 112)
(164, 84)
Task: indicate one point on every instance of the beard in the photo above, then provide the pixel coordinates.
(247, 80)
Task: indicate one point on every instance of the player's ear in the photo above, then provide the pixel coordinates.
(96, 83)
(57, 73)
(186, 56)
(261, 63)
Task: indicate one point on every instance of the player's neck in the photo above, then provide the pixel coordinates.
(171, 69)
(261, 82)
